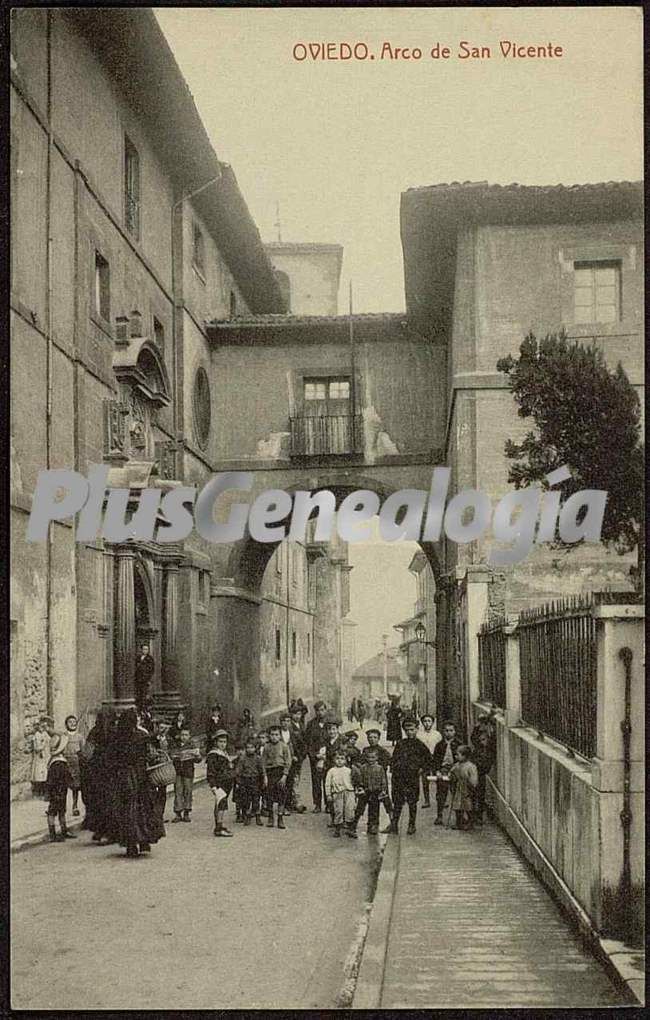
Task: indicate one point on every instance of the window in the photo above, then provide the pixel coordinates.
(131, 188)
(328, 390)
(597, 291)
(198, 249)
(102, 287)
(159, 334)
(295, 560)
(326, 425)
(308, 647)
(201, 407)
(294, 646)
(278, 644)
(233, 305)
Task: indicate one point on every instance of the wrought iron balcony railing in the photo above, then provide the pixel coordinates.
(326, 435)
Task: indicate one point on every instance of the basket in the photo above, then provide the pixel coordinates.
(161, 774)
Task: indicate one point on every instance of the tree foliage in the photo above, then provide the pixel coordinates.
(586, 416)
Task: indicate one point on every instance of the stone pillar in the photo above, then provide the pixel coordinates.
(476, 579)
(621, 896)
(168, 700)
(513, 676)
(124, 631)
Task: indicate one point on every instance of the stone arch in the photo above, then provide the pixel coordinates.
(248, 559)
(139, 363)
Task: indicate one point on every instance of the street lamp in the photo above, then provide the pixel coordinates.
(421, 635)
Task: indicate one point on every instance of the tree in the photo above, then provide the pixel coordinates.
(588, 417)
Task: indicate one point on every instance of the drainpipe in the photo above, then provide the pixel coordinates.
(626, 656)
(176, 205)
(49, 692)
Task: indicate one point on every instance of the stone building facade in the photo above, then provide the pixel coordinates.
(485, 265)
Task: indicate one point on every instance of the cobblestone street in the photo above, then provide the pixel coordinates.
(265, 919)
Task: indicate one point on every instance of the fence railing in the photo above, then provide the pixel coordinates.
(326, 434)
(557, 661)
(492, 662)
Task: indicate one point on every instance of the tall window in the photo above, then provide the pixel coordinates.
(102, 287)
(308, 647)
(294, 646)
(131, 188)
(326, 426)
(198, 249)
(201, 407)
(597, 291)
(278, 644)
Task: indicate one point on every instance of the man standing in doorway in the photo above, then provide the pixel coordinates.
(144, 671)
(315, 740)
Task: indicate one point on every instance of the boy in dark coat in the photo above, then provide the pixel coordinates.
(443, 760)
(219, 775)
(58, 781)
(315, 739)
(410, 758)
(299, 751)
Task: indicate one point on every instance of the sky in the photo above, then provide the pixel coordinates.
(335, 143)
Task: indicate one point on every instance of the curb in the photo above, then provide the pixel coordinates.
(43, 836)
(367, 994)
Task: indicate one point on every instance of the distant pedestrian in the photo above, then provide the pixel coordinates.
(58, 781)
(410, 759)
(276, 757)
(219, 775)
(185, 755)
(463, 779)
(339, 794)
(73, 747)
(361, 712)
(394, 717)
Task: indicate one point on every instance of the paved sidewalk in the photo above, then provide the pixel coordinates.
(470, 926)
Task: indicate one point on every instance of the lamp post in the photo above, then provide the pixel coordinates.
(421, 638)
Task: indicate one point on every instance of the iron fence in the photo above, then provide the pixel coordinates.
(557, 655)
(325, 434)
(492, 663)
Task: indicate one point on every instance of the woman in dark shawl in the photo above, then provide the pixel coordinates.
(394, 720)
(97, 777)
(139, 824)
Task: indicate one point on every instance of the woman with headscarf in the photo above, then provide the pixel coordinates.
(179, 722)
(245, 728)
(138, 823)
(97, 778)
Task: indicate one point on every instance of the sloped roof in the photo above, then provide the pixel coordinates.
(374, 667)
(431, 216)
(367, 326)
(132, 46)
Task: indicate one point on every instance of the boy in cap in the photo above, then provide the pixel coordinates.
(410, 758)
(58, 781)
(276, 758)
(352, 752)
(219, 774)
(185, 755)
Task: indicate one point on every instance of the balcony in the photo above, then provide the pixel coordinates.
(326, 435)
